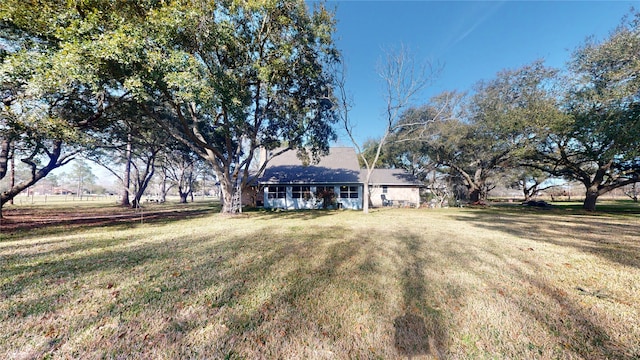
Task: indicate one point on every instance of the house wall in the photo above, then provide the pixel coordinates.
(289, 203)
(400, 195)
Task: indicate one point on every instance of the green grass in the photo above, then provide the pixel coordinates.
(502, 282)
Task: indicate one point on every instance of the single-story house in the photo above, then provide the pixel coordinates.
(335, 182)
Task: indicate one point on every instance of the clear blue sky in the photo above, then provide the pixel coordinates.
(473, 40)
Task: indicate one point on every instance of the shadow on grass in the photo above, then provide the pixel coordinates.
(611, 240)
(350, 265)
(214, 277)
(261, 292)
(168, 276)
(618, 208)
(575, 323)
(62, 268)
(420, 331)
(285, 315)
(603, 208)
(265, 288)
(266, 214)
(578, 329)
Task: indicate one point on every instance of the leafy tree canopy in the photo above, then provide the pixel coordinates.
(236, 75)
(597, 142)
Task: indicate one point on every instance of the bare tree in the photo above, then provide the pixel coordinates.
(632, 191)
(403, 79)
(180, 167)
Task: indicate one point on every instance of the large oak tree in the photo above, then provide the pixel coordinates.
(241, 75)
(597, 142)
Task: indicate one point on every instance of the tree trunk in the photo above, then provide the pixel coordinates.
(5, 149)
(189, 190)
(227, 190)
(528, 191)
(79, 190)
(126, 180)
(365, 196)
(590, 200)
(183, 194)
(226, 194)
(142, 182)
(227, 187)
(634, 192)
(594, 189)
(12, 180)
(474, 195)
(163, 187)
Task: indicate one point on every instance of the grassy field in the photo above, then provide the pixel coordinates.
(500, 282)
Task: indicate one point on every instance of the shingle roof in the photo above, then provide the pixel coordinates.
(339, 166)
(390, 177)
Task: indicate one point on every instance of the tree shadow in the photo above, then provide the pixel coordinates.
(589, 234)
(302, 214)
(420, 330)
(214, 276)
(268, 315)
(411, 335)
(61, 274)
(576, 326)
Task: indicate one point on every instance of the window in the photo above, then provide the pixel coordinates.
(301, 192)
(276, 192)
(348, 192)
(385, 189)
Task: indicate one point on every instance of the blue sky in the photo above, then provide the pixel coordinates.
(473, 40)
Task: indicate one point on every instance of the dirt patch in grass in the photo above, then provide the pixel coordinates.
(19, 219)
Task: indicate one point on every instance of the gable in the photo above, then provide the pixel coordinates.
(339, 166)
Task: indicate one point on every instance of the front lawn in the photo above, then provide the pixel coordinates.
(455, 283)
